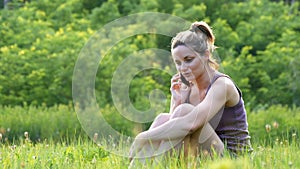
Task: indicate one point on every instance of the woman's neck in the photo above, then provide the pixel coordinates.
(203, 81)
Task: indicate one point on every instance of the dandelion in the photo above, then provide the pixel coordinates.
(2, 130)
(128, 139)
(26, 134)
(13, 147)
(277, 141)
(268, 127)
(294, 135)
(0, 136)
(205, 153)
(22, 165)
(94, 160)
(290, 163)
(275, 125)
(95, 137)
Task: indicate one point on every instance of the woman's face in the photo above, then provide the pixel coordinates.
(188, 62)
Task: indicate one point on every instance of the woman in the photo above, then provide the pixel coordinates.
(207, 110)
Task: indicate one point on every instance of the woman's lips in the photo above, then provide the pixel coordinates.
(186, 74)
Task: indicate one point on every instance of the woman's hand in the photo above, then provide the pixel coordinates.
(137, 145)
(180, 92)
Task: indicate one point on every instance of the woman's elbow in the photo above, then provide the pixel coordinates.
(182, 110)
(194, 125)
(192, 128)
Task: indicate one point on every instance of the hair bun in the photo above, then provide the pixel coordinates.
(204, 28)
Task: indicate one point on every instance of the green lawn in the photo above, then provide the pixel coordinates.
(83, 153)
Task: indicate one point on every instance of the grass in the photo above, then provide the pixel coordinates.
(68, 147)
(83, 153)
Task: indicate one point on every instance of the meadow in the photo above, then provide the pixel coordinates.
(85, 154)
(274, 138)
(40, 43)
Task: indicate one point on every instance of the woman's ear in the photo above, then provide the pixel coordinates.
(207, 54)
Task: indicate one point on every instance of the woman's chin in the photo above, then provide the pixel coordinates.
(190, 78)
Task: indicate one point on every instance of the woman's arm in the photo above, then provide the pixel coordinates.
(179, 91)
(173, 105)
(220, 92)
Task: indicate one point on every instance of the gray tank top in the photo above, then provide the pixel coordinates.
(230, 124)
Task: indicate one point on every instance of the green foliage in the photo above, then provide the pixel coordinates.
(40, 42)
(36, 65)
(191, 13)
(283, 122)
(91, 4)
(104, 14)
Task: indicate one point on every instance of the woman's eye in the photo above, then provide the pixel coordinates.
(177, 63)
(189, 59)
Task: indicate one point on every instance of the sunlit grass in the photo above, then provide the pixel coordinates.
(84, 153)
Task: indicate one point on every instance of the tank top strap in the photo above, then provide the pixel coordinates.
(217, 75)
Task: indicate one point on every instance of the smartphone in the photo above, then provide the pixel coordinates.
(184, 80)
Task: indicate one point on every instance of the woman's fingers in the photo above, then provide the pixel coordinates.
(175, 85)
(175, 77)
(136, 147)
(132, 152)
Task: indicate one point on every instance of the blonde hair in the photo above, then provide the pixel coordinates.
(199, 38)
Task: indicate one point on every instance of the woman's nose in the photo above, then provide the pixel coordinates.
(183, 67)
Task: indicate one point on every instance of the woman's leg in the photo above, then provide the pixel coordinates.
(153, 146)
(187, 144)
(176, 144)
(206, 141)
(158, 149)
(161, 147)
(160, 119)
(164, 146)
(149, 149)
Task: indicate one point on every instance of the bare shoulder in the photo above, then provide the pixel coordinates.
(226, 85)
(223, 82)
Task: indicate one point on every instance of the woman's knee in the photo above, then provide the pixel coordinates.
(182, 110)
(160, 119)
